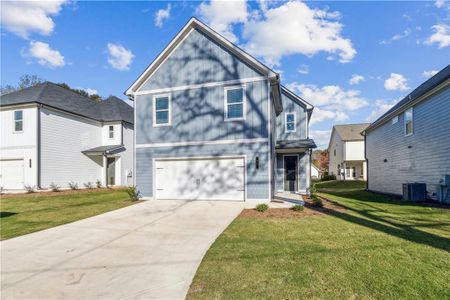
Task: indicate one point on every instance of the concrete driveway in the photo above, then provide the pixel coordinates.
(150, 250)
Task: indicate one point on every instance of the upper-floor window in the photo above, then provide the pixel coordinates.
(290, 121)
(18, 120)
(409, 121)
(111, 131)
(234, 103)
(161, 110)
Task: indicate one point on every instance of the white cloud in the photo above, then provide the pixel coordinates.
(430, 73)
(379, 108)
(222, 15)
(304, 69)
(25, 17)
(396, 82)
(295, 28)
(119, 57)
(321, 137)
(320, 115)
(45, 55)
(441, 4)
(396, 37)
(162, 15)
(441, 36)
(330, 97)
(90, 91)
(356, 79)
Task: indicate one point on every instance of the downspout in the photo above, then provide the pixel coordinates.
(38, 147)
(367, 161)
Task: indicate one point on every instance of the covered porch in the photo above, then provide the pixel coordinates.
(111, 163)
(293, 167)
(353, 170)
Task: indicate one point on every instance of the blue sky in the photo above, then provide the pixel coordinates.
(388, 48)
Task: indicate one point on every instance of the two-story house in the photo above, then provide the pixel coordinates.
(50, 134)
(214, 123)
(411, 141)
(346, 152)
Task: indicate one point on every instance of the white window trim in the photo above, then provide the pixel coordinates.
(412, 121)
(109, 132)
(244, 103)
(169, 123)
(285, 121)
(14, 121)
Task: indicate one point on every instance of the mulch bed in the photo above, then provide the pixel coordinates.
(329, 207)
(60, 193)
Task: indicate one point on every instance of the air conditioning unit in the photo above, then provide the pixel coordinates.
(414, 192)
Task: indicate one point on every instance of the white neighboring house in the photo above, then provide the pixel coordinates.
(316, 173)
(346, 152)
(50, 134)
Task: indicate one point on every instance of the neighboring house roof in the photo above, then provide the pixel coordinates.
(292, 144)
(316, 167)
(441, 77)
(350, 132)
(55, 96)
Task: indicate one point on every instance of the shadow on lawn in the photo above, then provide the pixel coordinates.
(366, 215)
(5, 214)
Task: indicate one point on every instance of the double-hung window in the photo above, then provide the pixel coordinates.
(409, 121)
(234, 103)
(18, 121)
(161, 110)
(111, 131)
(290, 120)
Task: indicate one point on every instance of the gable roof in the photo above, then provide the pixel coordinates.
(442, 77)
(191, 24)
(55, 96)
(309, 107)
(350, 132)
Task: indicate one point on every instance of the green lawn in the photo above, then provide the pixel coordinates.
(33, 212)
(377, 248)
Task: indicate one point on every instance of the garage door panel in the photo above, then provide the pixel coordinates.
(200, 179)
(11, 174)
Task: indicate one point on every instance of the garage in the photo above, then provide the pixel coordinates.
(200, 179)
(11, 174)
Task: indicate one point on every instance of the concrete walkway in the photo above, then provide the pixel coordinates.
(150, 250)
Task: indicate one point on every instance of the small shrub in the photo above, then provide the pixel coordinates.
(30, 188)
(88, 185)
(73, 185)
(328, 177)
(54, 187)
(133, 193)
(262, 207)
(98, 183)
(313, 189)
(297, 208)
(316, 201)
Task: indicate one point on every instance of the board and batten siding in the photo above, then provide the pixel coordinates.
(199, 115)
(257, 179)
(126, 156)
(292, 106)
(198, 59)
(63, 137)
(423, 156)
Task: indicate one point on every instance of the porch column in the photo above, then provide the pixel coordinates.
(105, 171)
(364, 166)
(344, 166)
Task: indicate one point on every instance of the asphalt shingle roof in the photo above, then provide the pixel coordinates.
(351, 132)
(290, 144)
(53, 95)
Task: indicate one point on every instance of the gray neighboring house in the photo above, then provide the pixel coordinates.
(214, 123)
(411, 142)
(50, 134)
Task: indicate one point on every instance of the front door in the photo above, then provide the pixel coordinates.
(290, 173)
(111, 171)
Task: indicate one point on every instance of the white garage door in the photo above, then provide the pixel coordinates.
(11, 173)
(200, 179)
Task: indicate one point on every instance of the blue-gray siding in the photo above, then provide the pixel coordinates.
(257, 179)
(423, 156)
(198, 59)
(198, 115)
(291, 105)
(302, 171)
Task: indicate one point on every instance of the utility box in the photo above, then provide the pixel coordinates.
(414, 192)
